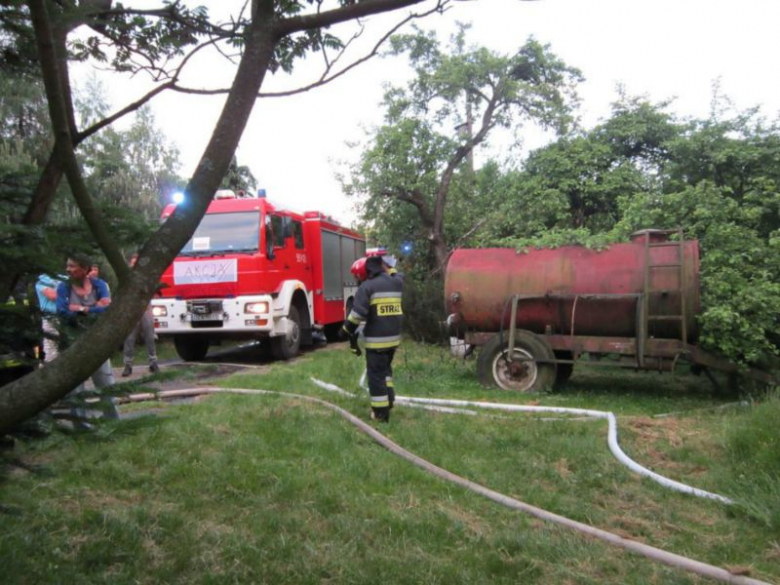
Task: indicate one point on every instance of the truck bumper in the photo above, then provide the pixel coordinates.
(248, 314)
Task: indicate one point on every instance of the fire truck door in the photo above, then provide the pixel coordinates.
(289, 253)
(293, 231)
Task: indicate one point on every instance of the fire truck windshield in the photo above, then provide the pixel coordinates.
(223, 233)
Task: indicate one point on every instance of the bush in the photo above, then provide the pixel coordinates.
(753, 446)
(424, 309)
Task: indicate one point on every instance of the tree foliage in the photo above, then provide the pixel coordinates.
(417, 168)
(133, 168)
(239, 177)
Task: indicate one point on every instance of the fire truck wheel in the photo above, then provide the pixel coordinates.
(524, 373)
(191, 348)
(286, 347)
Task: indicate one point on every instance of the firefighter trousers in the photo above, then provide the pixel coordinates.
(379, 370)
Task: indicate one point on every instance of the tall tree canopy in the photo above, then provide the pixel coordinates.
(423, 154)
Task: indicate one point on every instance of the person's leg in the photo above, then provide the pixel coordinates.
(376, 371)
(50, 339)
(104, 378)
(389, 377)
(128, 351)
(147, 330)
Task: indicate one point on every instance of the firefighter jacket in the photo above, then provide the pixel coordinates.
(378, 305)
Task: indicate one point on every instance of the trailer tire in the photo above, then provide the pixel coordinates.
(285, 347)
(522, 376)
(191, 348)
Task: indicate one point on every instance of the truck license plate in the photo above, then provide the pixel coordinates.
(206, 317)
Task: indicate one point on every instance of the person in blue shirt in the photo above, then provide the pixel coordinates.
(77, 299)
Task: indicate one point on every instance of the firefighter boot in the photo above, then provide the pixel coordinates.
(380, 414)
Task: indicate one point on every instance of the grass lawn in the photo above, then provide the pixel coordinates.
(271, 489)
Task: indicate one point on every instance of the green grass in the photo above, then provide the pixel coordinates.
(278, 490)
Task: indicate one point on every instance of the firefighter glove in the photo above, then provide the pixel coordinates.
(353, 345)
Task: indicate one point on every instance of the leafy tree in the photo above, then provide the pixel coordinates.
(128, 169)
(23, 114)
(722, 186)
(418, 163)
(239, 177)
(271, 36)
(571, 190)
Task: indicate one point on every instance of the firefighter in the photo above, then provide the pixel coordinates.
(378, 305)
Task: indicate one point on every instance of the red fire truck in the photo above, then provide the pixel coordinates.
(255, 271)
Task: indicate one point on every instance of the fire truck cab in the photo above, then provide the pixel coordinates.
(252, 271)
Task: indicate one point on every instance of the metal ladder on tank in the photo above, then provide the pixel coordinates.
(650, 269)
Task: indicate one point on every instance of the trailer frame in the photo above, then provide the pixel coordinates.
(641, 352)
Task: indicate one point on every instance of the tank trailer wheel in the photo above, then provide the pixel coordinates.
(523, 374)
(287, 346)
(191, 348)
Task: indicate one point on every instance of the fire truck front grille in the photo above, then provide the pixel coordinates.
(204, 307)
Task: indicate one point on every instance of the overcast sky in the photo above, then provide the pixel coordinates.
(659, 48)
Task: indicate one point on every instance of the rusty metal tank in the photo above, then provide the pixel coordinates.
(573, 290)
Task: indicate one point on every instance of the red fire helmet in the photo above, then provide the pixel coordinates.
(358, 269)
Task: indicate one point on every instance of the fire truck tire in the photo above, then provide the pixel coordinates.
(191, 348)
(286, 347)
(519, 376)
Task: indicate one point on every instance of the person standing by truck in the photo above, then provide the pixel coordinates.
(146, 327)
(378, 305)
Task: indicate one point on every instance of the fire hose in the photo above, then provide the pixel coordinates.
(653, 553)
(612, 440)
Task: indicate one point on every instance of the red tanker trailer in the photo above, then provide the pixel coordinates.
(536, 312)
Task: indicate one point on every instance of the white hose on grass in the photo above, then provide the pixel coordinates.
(612, 440)
(651, 552)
